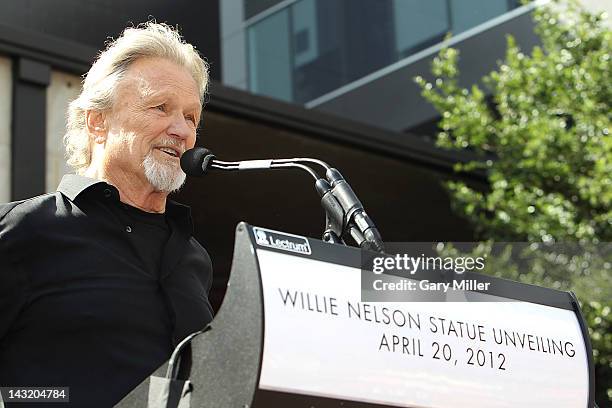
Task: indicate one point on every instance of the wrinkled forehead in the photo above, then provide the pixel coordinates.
(142, 85)
(148, 77)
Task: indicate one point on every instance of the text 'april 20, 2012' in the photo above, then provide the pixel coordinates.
(432, 335)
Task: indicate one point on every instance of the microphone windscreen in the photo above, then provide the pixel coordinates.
(193, 159)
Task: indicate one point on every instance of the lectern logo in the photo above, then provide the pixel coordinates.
(261, 237)
(281, 240)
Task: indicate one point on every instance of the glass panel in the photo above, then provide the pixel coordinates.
(469, 13)
(270, 57)
(419, 24)
(305, 32)
(318, 48)
(254, 7)
(338, 41)
(313, 47)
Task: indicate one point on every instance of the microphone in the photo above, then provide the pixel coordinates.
(195, 162)
(344, 211)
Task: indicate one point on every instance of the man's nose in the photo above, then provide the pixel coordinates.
(180, 127)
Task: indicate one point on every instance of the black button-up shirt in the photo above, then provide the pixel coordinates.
(81, 303)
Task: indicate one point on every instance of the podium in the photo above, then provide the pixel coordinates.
(293, 332)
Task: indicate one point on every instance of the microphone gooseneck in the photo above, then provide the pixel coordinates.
(345, 215)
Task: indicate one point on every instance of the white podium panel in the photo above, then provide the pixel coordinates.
(321, 340)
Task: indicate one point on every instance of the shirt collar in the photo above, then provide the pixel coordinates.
(73, 185)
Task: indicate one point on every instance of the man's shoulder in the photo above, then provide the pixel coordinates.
(205, 273)
(17, 210)
(6, 208)
(199, 250)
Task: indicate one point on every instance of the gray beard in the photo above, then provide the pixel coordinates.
(163, 177)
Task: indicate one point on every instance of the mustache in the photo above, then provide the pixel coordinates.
(171, 142)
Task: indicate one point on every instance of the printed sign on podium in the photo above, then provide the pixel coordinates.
(293, 331)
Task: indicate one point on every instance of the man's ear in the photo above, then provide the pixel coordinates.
(96, 125)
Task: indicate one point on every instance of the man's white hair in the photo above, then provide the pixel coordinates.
(100, 85)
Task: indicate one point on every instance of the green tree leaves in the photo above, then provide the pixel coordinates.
(543, 137)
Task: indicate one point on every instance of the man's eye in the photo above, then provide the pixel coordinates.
(191, 118)
(161, 107)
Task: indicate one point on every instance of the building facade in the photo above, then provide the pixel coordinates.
(357, 58)
(328, 79)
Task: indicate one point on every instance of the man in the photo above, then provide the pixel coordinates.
(100, 280)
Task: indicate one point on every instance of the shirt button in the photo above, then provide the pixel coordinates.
(107, 193)
(128, 229)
